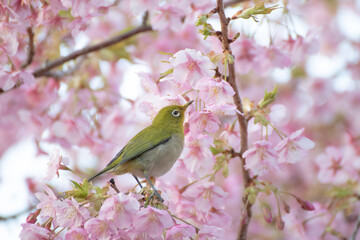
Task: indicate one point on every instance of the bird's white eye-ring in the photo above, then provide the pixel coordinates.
(175, 113)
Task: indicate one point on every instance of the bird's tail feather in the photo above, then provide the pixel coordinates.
(101, 172)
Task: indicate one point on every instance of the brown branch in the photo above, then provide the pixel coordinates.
(86, 50)
(31, 48)
(242, 120)
(60, 74)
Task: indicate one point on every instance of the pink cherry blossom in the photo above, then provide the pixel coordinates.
(54, 164)
(32, 231)
(149, 82)
(190, 66)
(120, 209)
(67, 131)
(231, 136)
(153, 221)
(140, 6)
(211, 232)
(9, 80)
(204, 121)
(139, 235)
(47, 203)
(261, 158)
(8, 43)
(84, 8)
(214, 90)
(331, 164)
(247, 54)
(206, 196)
(187, 209)
(56, 5)
(180, 232)
(76, 234)
(222, 109)
(167, 16)
(274, 58)
(70, 214)
(219, 218)
(292, 149)
(198, 147)
(299, 47)
(251, 56)
(297, 227)
(99, 229)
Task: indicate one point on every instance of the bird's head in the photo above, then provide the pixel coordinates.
(171, 116)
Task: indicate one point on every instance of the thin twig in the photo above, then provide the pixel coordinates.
(241, 117)
(196, 228)
(31, 48)
(2, 218)
(357, 226)
(113, 185)
(86, 50)
(61, 74)
(233, 2)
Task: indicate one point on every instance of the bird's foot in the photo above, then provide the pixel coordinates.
(156, 193)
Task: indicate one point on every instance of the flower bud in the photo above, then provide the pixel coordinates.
(306, 205)
(48, 225)
(280, 224)
(286, 207)
(266, 211)
(32, 218)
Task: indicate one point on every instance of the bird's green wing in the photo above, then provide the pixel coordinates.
(140, 143)
(144, 141)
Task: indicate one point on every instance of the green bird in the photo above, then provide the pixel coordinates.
(153, 151)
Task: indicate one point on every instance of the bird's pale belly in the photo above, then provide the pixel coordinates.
(160, 159)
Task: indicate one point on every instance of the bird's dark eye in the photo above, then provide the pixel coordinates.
(175, 113)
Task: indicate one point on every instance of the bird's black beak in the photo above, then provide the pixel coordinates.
(188, 104)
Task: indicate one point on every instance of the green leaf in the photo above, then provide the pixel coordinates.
(207, 30)
(79, 190)
(219, 146)
(76, 185)
(268, 98)
(202, 19)
(215, 150)
(258, 9)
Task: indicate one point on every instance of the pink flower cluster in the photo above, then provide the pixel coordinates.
(263, 157)
(120, 216)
